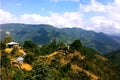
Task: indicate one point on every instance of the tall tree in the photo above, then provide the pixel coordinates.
(53, 45)
(5, 61)
(7, 39)
(61, 45)
(76, 45)
(40, 71)
(29, 44)
(19, 75)
(29, 58)
(2, 45)
(14, 51)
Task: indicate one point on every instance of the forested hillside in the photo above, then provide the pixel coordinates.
(116, 38)
(44, 34)
(114, 60)
(55, 61)
(114, 57)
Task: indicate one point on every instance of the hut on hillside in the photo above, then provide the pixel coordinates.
(20, 60)
(12, 45)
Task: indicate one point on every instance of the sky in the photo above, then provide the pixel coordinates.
(97, 15)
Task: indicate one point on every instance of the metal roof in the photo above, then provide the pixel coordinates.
(20, 59)
(11, 43)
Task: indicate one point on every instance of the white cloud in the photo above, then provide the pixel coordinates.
(117, 2)
(6, 17)
(34, 19)
(67, 19)
(100, 23)
(107, 23)
(93, 6)
(72, 19)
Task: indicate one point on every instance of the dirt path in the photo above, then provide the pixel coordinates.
(48, 56)
(94, 77)
(51, 54)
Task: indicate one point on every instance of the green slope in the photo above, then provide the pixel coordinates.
(43, 34)
(52, 63)
(114, 57)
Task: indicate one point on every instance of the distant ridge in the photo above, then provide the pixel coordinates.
(44, 33)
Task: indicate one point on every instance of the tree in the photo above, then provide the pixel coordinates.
(79, 75)
(14, 51)
(29, 44)
(19, 75)
(40, 71)
(7, 39)
(61, 45)
(29, 58)
(5, 61)
(76, 45)
(2, 45)
(52, 46)
(66, 67)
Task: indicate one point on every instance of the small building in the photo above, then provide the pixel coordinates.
(12, 44)
(20, 60)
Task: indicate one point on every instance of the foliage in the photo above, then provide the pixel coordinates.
(61, 45)
(114, 57)
(46, 49)
(59, 66)
(7, 39)
(14, 51)
(41, 51)
(52, 46)
(5, 61)
(88, 52)
(114, 61)
(19, 75)
(2, 45)
(79, 75)
(117, 69)
(40, 71)
(5, 66)
(66, 67)
(29, 44)
(44, 33)
(76, 45)
(29, 58)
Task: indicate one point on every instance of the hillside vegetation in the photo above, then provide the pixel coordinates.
(44, 34)
(57, 61)
(114, 57)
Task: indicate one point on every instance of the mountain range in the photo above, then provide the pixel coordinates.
(44, 34)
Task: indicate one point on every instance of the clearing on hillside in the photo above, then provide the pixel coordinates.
(26, 66)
